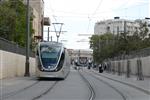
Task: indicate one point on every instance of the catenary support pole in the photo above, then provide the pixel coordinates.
(27, 63)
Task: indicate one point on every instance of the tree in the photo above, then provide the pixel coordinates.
(13, 21)
(94, 44)
(7, 20)
(103, 46)
(144, 35)
(108, 45)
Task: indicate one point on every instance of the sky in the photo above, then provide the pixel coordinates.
(80, 16)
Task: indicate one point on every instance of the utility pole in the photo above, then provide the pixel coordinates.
(15, 5)
(118, 30)
(27, 73)
(79, 54)
(48, 35)
(125, 27)
(51, 38)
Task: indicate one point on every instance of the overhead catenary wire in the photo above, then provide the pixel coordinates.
(87, 15)
(88, 24)
(93, 14)
(97, 7)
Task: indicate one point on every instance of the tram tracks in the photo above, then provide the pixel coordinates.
(7, 95)
(138, 89)
(27, 88)
(92, 92)
(111, 86)
(45, 92)
(130, 85)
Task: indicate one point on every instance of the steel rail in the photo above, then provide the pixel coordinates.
(127, 84)
(92, 93)
(45, 92)
(118, 91)
(7, 95)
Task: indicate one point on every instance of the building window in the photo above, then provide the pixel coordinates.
(108, 29)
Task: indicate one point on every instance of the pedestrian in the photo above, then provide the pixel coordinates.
(100, 68)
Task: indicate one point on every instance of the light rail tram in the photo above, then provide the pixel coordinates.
(52, 60)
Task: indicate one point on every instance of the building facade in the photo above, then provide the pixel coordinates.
(37, 7)
(38, 20)
(117, 25)
(75, 54)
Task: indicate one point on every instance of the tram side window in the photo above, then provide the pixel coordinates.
(60, 65)
(62, 57)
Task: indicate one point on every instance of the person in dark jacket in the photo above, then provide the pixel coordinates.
(100, 67)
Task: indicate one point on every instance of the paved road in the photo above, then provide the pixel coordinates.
(74, 87)
(113, 90)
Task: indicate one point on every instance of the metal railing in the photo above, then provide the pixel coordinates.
(114, 64)
(140, 53)
(133, 54)
(12, 47)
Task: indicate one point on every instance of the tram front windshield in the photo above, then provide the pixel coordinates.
(50, 55)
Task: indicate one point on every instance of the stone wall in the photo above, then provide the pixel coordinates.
(13, 65)
(134, 69)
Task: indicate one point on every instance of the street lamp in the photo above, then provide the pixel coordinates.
(27, 73)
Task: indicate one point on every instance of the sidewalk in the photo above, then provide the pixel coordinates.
(142, 85)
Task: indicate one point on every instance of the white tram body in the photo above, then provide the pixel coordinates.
(52, 60)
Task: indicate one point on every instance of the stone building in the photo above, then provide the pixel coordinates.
(39, 20)
(118, 25)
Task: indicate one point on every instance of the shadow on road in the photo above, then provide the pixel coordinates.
(50, 79)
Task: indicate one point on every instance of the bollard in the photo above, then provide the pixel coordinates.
(139, 70)
(109, 67)
(119, 68)
(128, 69)
(113, 68)
(123, 65)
